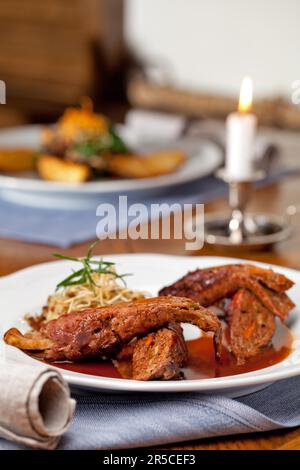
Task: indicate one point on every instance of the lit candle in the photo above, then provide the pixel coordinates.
(241, 130)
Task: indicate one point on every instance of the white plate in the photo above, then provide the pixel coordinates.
(203, 158)
(27, 290)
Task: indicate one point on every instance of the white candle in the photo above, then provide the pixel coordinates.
(240, 133)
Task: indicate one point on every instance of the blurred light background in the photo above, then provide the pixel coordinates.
(211, 44)
(54, 52)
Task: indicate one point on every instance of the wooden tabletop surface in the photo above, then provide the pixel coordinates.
(15, 255)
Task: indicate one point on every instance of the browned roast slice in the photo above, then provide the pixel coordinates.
(157, 356)
(275, 281)
(160, 355)
(207, 286)
(251, 325)
(103, 331)
(123, 360)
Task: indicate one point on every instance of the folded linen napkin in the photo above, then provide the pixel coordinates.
(148, 125)
(35, 405)
(128, 421)
(123, 421)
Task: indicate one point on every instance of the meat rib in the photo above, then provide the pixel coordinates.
(251, 325)
(102, 331)
(157, 356)
(207, 286)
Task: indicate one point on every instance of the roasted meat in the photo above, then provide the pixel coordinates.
(251, 325)
(208, 286)
(157, 356)
(248, 295)
(103, 331)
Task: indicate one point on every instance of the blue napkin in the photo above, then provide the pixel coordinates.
(116, 421)
(64, 228)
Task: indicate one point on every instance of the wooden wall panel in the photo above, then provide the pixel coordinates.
(54, 51)
(50, 11)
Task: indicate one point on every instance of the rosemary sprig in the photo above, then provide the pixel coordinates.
(108, 143)
(89, 266)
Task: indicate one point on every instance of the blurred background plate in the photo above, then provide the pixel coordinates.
(28, 189)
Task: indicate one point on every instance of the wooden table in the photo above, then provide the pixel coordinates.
(16, 255)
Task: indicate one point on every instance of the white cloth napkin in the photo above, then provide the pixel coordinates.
(153, 125)
(35, 405)
(149, 125)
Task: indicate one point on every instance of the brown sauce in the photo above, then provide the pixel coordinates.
(202, 363)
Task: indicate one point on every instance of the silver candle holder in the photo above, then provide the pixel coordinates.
(238, 229)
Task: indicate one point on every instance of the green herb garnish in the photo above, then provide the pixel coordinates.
(117, 144)
(107, 143)
(89, 266)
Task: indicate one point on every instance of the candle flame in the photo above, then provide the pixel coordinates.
(246, 94)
